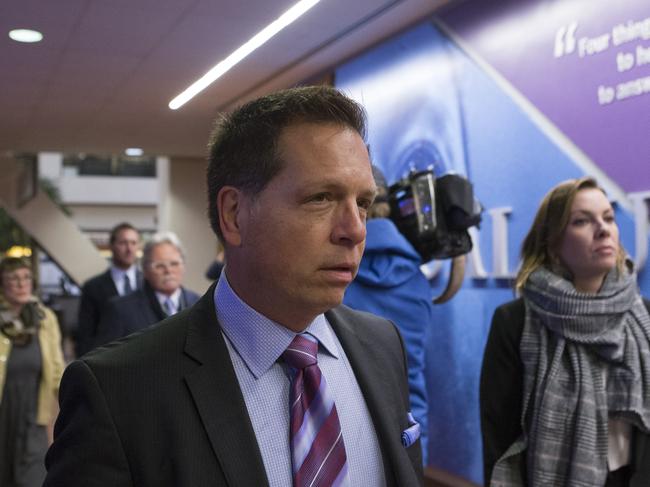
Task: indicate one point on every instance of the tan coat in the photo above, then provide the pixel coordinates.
(49, 337)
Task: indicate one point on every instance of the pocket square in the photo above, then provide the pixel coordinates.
(411, 434)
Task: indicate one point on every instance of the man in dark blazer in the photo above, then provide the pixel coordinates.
(121, 278)
(203, 398)
(163, 264)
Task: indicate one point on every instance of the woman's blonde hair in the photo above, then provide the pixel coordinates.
(545, 235)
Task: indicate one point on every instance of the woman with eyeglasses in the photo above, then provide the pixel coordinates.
(31, 364)
(565, 383)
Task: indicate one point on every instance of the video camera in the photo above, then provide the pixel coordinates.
(434, 214)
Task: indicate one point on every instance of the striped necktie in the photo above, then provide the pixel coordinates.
(317, 450)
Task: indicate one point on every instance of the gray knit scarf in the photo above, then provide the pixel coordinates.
(586, 358)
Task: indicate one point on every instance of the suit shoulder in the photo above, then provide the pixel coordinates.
(191, 296)
(118, 307)
(134, 298)
(97, 280)
(141, 349)
(366, 324)
(357, 316)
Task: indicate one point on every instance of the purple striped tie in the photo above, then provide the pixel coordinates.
(317, 449)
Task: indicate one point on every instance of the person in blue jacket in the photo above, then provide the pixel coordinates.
(390, 284)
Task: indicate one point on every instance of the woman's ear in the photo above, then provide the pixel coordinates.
(230, 205)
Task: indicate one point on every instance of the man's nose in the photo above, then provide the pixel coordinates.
(350, 225)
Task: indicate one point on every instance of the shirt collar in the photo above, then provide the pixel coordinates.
(118, 274)
(175, 297)
(258, 340)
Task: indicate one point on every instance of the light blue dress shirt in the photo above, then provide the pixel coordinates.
(118, 278)
(255, 344)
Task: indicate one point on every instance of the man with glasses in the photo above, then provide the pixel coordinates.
(121, 278)
(162, 295)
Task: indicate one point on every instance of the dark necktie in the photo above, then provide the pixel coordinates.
(317, 450)
(127, 284)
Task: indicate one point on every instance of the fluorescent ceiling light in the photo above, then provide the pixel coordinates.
(134, 151)
(241, 52)
(25, 35)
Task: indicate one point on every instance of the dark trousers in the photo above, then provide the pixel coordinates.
(620, 477)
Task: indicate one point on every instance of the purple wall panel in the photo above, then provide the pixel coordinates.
(585, 64)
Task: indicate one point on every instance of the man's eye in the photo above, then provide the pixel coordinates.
(318, 198)
(364, 204)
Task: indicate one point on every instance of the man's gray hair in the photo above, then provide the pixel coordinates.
(158, 239)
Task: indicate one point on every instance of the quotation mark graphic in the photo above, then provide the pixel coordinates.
(565, 40)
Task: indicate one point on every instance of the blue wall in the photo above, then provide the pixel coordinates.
(428, 102)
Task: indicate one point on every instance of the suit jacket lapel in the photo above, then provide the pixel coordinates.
(366, 360)
(218, 398)
(110, 289)
(154, 304)
(183, 301)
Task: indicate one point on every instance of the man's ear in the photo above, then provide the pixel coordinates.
(230, 204)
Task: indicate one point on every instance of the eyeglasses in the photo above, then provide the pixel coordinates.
(15, 280)
(162, 266)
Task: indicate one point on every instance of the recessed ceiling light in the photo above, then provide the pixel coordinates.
(241, 52)
(134, 151)
(25, 35)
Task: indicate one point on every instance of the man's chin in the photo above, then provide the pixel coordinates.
(167, 291)
(332, 299)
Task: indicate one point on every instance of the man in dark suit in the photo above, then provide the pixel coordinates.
(267, 373)
(121, 278)
(162, 295)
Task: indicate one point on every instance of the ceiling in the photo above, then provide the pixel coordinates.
(101, 79)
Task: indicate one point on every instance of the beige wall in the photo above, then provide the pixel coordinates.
(96, 218)
(56, 233)
(183, 211)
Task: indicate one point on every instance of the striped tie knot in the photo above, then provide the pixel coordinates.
(301, 352)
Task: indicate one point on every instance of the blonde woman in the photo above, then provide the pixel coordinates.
(31, 364)
(565, 383)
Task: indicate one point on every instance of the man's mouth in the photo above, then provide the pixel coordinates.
(341, 273)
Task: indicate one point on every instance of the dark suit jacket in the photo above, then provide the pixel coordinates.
(123, 315)
(94, 295)
(501, 394)
(164, 408)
